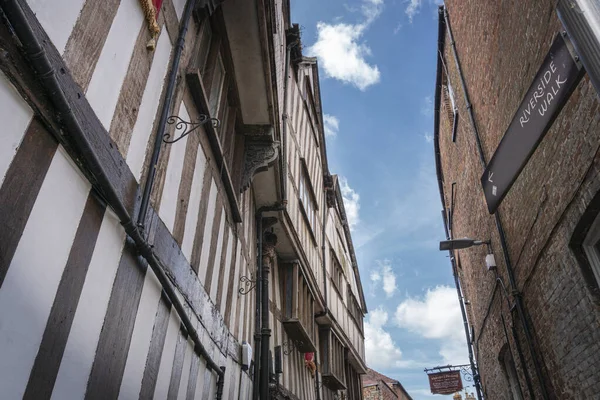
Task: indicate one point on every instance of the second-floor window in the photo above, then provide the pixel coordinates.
(354, 308)
(307, 200)
(337, 274)
(449, 102)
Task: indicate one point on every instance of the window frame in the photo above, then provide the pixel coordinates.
(305, 191)
(591, 248)
(448, 100)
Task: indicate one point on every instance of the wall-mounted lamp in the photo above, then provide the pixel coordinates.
(464, 243)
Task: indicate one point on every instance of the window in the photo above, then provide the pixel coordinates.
(204, 45)
(216, 87)
(337, 274)
(307, 200)
(354, 308)
(591, 247)
(448, 101)
(510, 372)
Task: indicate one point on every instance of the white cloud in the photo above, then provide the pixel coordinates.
(332, 125)
(385, 274)
(412, 9)
(380, 350)
(397, 28)
(436, 316)
(371, 9)
(427, 108)
(342, 53)
(351, 203)
(428, 137)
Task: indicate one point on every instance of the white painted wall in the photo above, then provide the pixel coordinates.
(166, 361)
(170, 194)
(30, 285)
(217, 263)
(58, 18)
(78, 358)
(148, 107)
(191, 218)
(210, 215)
(15, 115)
(179, 6)
(200, 383)
(235, 294)
(141, 336)
(111, 68)
(185, 372)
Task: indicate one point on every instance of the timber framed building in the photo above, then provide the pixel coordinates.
(169, 227)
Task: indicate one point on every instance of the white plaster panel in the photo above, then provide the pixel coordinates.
(200, 378)
(32, 279)
(141, 337)
(166, 361)
(191, 218)
(217, 263)
(148, 107)
(80, 350)
(58, 18)
(170, 194)
(15, 115)
(185, 372)
(111, 68)
(179, 6)
(210, 216)
(223, 300)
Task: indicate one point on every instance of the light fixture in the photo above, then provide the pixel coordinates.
(464, 243)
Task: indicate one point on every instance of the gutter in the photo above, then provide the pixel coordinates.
(38, 58)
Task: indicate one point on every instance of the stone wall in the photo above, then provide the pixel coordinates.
(501, 46)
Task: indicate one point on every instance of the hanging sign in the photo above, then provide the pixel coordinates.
(445, 382)
(553, 84)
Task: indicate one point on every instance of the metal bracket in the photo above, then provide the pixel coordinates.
(290, 345)
(246, 285)
(187, 127)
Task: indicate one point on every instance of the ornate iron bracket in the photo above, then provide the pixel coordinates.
(246, 285)
(260, 152)
(187, 127)
(290, 345)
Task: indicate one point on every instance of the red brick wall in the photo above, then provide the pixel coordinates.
(501, 45)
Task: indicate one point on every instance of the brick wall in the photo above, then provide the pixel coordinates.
(501, 46)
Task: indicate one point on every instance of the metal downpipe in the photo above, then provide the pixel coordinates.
(499, 227)
(41, 64)
(164, 113)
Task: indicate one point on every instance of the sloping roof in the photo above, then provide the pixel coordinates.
(374, 376)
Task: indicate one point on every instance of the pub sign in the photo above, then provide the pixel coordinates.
(447, 382)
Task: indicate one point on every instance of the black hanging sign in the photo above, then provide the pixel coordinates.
(556, 79)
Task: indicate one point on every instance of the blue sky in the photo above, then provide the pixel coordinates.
(377, 63)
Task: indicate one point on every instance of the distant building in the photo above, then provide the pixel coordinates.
(377, 386)
(533, 320)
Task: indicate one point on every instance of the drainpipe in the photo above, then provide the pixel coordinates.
(36, 54)
(509, 268)
(262, 332)
(164, 112)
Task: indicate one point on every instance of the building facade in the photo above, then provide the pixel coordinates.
(169, 224)
(376, 386)
(534, 317)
